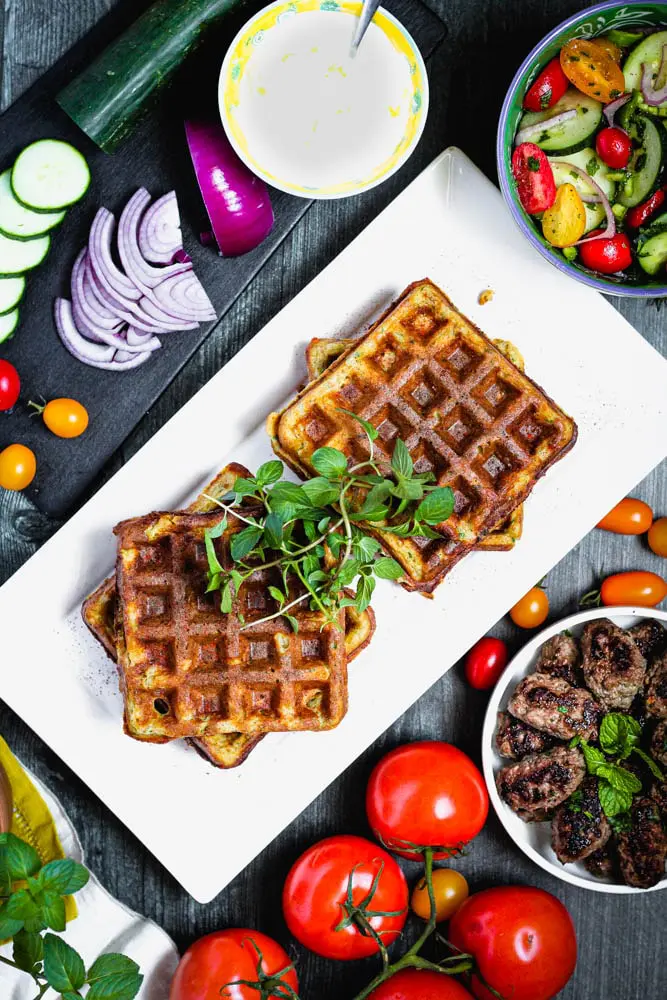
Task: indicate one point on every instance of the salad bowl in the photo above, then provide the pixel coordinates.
(600, 19)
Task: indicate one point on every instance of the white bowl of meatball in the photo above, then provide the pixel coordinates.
(553, 764)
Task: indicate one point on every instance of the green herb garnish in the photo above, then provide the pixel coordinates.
(619, 738)
(533, 163)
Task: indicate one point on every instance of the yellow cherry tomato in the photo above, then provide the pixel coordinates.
(450, 889)
(531, 610)
(592, 70)
(66, 418)
(612, 50)
(17, 467)
(657, 537)
(564, 223)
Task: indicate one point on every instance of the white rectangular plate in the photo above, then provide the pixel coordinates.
(451, 225)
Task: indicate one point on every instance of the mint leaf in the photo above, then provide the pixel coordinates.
(329, 462)
(437, 506)
(63, 967)
(366, 547)
(112, 964)
(375, 501)
(214, 566)
(612, 800)
(273, 530)
(619, 733)
(621, 779)
(594, 758)
(244, 542)
(269, 473)
(364, 592)
(408, 489)
(21, 859)
(294, 623)
(28, 950)
(9, 926)
(321, 491)
(52, 906)
(21, 906)
(401, 461)
(370, 430)
(277, 595)
(348, 571)
(650, 763)
(114, 977)
(226, 600)
(621, 823)
(65, 877)
(244, 487)
(387, 569)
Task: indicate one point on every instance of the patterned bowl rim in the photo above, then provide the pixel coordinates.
(599, 283)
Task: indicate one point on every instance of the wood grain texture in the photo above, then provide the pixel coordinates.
(621, 939)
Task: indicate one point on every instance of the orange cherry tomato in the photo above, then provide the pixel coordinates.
(657, 537)
(17, 467)
(531, 610)
(589, 66)
(629, 517)
(638, 588)
(612, 50)
(449, 890)
(66, 418)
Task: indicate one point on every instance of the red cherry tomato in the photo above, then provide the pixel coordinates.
(640, 214)
(485, 663)
(315, 895)
(10, 385)
(426, 795)
(606, 255)
(227, 957)
(614, 147)
(628, 517)
(548, 88)
(418, 984)
(522, 939)
(637, 588)
(534, 178)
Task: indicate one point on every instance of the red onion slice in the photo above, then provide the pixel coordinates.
(157, 314)
(654, 91)
(601, 196)
(142, 274)
(184, 295)
(132, 313)
(160, 238)
(96, 311)
(525, 133)
(96, 334)
(612, 109)
(76, 344)
(99, 251)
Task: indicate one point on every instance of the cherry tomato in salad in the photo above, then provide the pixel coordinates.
(591, 69)
(614, 147)
(66, 418)
(426, 795)
(228, 957)
(522, 939)
(420, 984)
(640, 214)
(485, 663)
(315, 897)
(17, 467)
(449, 890)
(657, 537)
(612, 50)
(629, 517)
(10, 385)
(639, 587)
(564, 223)
(548, 88)
(607, 255)
(534, 178)
(531, 610)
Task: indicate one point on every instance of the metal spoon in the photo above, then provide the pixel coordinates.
(367, 14)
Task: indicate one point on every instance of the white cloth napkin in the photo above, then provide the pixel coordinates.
(103, 925)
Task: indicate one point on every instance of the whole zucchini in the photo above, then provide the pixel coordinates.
(108, 98)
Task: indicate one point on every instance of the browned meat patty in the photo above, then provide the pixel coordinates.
(650, 636)
(553, 706)
(638, 709)
(602, 863)
(516, 739)
(579, 826)
(659, 743)
(560, 657)
(614, 669)
(659, 796)
(643, 848)
(541, 781)
(656, 687)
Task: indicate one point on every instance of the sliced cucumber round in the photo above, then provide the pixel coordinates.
(647, 163)
(569, 136)
(652, 251)
(49, 175)
(8, 324)
(19, 256)
(588, 160)
(11, 293)
(19, 222)
(649, 51)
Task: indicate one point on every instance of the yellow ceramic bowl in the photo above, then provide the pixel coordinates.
(310, 118)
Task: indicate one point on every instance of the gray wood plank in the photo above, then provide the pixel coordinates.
(619, 937)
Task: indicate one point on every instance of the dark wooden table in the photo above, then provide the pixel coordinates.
(621, 939)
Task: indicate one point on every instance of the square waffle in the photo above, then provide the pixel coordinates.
(466, 413)
(323, 351)
(186, 666)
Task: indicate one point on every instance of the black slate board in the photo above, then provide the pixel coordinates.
(155, 157)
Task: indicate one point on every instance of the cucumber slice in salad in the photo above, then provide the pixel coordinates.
(18, 256)
(648, 51)
(8, 324)
(19, 222)
(570, 136)
(49, 175)
(647, 161)
(11, 293)
(652, 248)
(588, 160)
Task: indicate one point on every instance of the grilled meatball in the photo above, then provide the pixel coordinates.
(643, 848)
(659, 796)
(650, 636)
(602, 863)
(659, 743)
(553, 706)
(656, 687)
(560, 657)
(638, 709)
(515, 739)
(579, 826)
(541, 781)
(614, 669)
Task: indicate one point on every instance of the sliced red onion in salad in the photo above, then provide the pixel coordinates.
(160, 237)
(611, 110)
(530, 130)
(654, 91)
(599, 196)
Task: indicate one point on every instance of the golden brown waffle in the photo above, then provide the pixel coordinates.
(323, 351)
(466, 413)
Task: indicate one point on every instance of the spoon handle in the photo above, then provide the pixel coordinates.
(367, 14)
